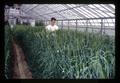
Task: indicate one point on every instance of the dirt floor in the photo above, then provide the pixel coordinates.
(20, 67)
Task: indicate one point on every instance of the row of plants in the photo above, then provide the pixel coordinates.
(7, 52)
(67, 54)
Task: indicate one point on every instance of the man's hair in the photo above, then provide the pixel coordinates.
(53, 19)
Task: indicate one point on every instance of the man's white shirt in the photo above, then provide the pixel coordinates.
(52, 28)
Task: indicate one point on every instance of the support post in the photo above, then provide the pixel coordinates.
(68, 24)
(101, 25)
(87, 25)
(62, 24)
(76, 25)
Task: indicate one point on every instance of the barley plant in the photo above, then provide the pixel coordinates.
(66, 54)
(7, 52)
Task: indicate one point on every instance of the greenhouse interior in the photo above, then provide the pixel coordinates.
(59, 41)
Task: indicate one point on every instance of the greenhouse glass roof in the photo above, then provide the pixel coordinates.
(69, 11)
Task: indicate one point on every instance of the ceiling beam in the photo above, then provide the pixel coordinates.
(87, 18)
(57, 13)
(32, 8)
(76, 12)
(101, 10)
(36, 13)
(62, 10)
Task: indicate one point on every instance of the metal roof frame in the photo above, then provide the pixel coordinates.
(94, 11)
(36, 13)
(75, 11)
(62, 10)
(86, 18)
(32, 8)
(85, 12)
(57, 13)
(87, 7)
(102, 11)
(106, 8)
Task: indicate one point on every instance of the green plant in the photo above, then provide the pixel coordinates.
(67, 54)
(40, 23)
(7, 51)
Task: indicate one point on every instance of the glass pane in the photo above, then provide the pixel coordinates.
(112, 15)
(71, 5)
(108, 8)
(100, 12)
(95, 12)
(82, 11)
(57, 7)
(85, 9)
(43, 10)
(91, 6)
(112, 5)
(69, 14)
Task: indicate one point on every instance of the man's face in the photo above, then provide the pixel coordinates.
(53, 22)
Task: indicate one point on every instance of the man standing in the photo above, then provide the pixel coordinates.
(52, 26)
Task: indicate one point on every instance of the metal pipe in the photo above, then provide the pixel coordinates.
(68, 24)
(87, 18)
(76, 25)
(62, 24)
